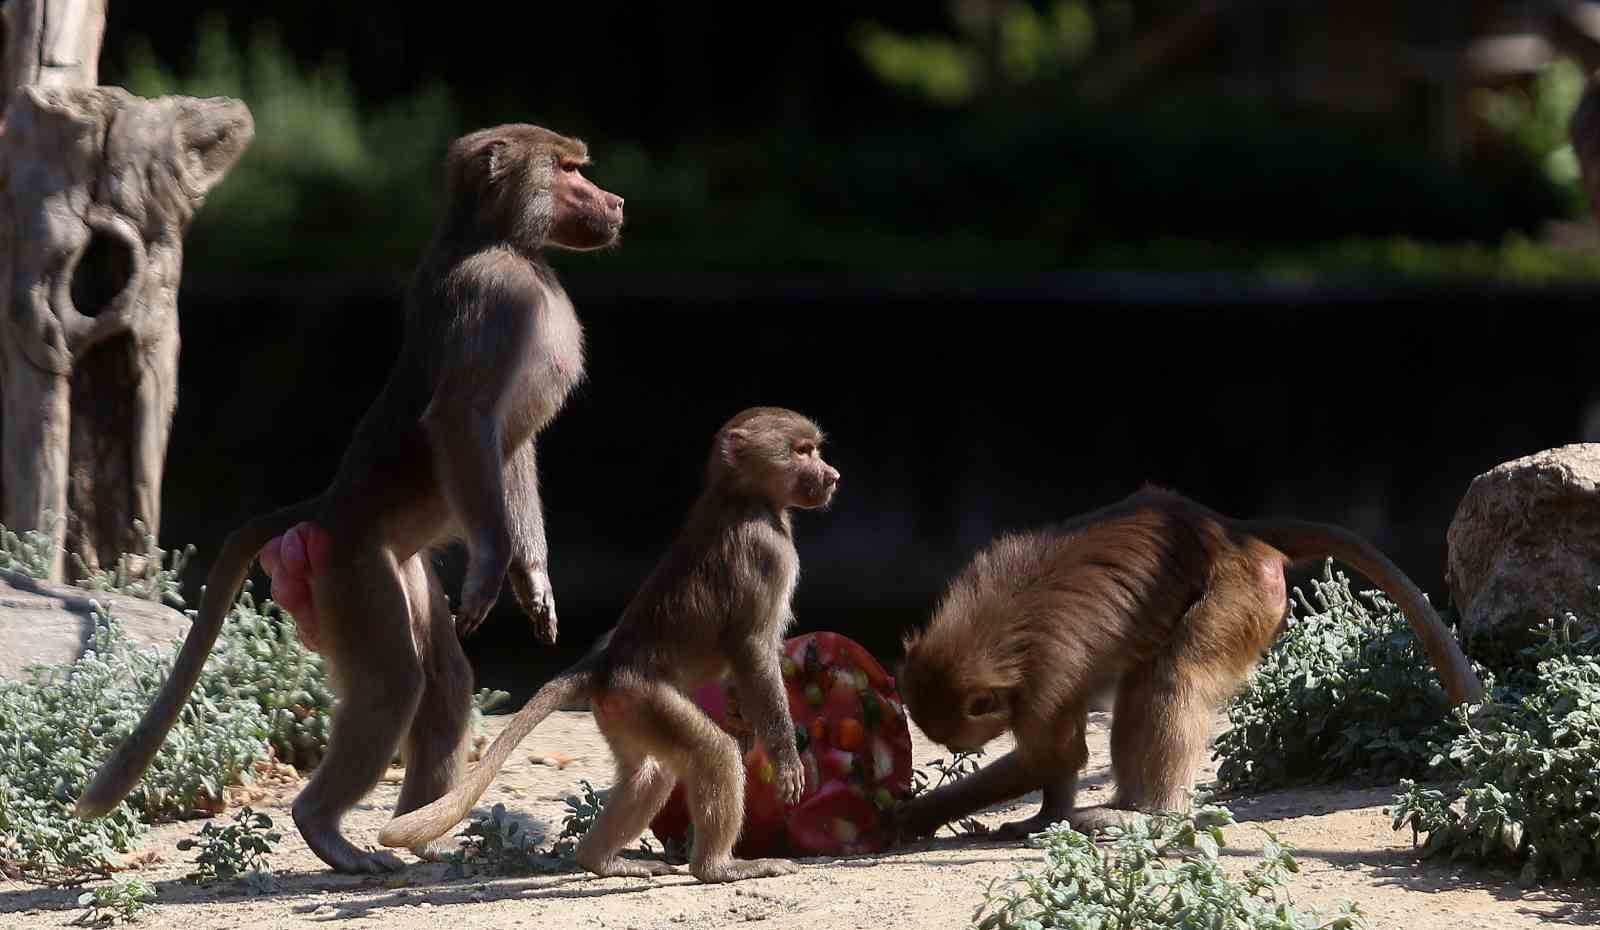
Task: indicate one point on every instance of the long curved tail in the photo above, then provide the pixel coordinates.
(417, 827)
(118, 774)
(1302, 540)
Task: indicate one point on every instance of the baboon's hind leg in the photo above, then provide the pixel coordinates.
(435, 746)
(642, 788)
(1158, 730)
(660, 722)
(365, 631)
(1162, 721)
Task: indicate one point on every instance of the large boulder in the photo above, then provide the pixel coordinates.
(1524, 546)
(51, 624)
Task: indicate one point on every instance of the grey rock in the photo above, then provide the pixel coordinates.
(51, 624)
(1524, 545)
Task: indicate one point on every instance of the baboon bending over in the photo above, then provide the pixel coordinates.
(492, 348)
(1157, 597)
(718, 601)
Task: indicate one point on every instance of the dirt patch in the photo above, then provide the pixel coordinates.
(1346, 849)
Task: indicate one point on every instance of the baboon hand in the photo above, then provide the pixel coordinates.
(907, 821)
(478, 594)
(532, 587)
(791, 781)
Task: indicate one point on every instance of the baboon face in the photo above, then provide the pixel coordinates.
(960, 722)
(946, 701)
(526, 184)
(586, 217)
(779, 454)
(813, 480)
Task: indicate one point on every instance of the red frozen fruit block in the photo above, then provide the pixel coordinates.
(671, 823)
(855, 747)
(763, 832)
(837, 820)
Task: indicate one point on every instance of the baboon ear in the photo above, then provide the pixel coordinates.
(495, 161)
(734, 444)
(484, 157)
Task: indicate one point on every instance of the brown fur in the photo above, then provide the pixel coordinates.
(1157, 597)
(491, 349)
(718, 601)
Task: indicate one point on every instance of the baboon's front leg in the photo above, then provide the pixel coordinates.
(530, 572)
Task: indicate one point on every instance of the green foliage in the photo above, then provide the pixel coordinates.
(1004, 43)
(582, 810)
(1145, 880)
(1528, 794)
(1536, 120)
(30, 552)
(261, 693)
(1345, 689)
(119, 902)
(953, 769)
(60, 722)
(366, 182)
(1159, 184)
(144, 575)
(497, 845)
(259, 660)
(238, 849)
(485, 700)
(1515, 258)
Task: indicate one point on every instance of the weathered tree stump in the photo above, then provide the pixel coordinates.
(97, 188)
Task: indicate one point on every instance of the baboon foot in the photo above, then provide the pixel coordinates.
(618, 867)
(340, 854)
(1092, 820)
(737, 870)
(355, 861)
(1022, 829)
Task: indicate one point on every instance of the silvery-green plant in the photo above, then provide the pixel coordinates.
(259, 659)
(1344, 689)
(30, 552)
(61, 721)
(496, 844)
(1527, 794)
(1160, 872)
(152, 574)
(121, 902)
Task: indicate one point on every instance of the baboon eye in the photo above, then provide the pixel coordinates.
(981, 706)
(569, 166)
(805, 448)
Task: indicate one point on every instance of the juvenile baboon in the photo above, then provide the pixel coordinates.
(491, 349)
(717, 602)
(1156, 596)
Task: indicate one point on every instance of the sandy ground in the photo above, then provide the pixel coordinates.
(1345, 847)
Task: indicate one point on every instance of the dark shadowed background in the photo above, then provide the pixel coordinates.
(1327, 260)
